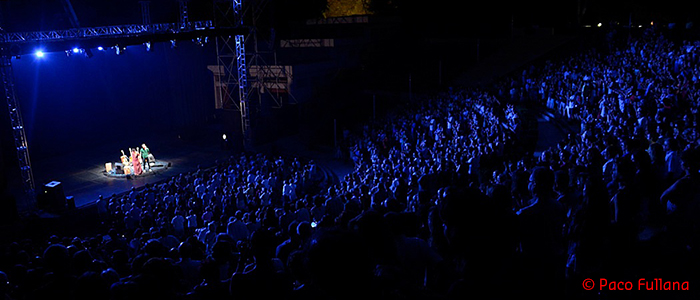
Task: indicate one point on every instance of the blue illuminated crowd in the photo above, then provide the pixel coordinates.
(446, 199)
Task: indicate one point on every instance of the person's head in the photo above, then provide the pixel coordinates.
(690, 161)
(671, 144)
(262, 244)
(57, 259)
(541, 182)
(91, 285)
(4, 283)
(339, 262)
(561, 180)
(211, 226)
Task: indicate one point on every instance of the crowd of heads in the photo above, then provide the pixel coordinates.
(445, 199)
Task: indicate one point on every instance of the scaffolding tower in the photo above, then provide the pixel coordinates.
(239, 74)
(232, 68)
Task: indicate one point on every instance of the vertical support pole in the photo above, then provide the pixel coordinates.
(184, 18)
(242, 72)
(145, 12)
(18, 133)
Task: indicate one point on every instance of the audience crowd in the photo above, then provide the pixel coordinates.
(446, 200)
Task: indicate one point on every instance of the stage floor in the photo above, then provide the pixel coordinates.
(85, 180)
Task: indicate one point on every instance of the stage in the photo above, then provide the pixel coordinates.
(83, 176)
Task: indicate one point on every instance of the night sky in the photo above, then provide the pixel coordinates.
(32, 15)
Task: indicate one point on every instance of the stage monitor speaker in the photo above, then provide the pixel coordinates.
(55, 198)
(70, 202)
(119, 168)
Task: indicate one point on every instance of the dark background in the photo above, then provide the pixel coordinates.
(73, 103)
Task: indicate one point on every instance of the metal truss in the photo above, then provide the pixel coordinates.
(18, 132)
(242, 72)
(145, 12)
(184, 18)
(235, 65)
(105, 31)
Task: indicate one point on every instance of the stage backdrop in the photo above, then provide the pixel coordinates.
(73, 102)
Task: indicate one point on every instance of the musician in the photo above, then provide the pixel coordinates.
(146, 156)
(136, 161)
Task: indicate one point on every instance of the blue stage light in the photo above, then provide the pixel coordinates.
(39, 53)
(76, 50)
(100, 48)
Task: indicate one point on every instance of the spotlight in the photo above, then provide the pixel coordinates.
(224, 137)
(600, 24)
(100, 48)
(76, 50)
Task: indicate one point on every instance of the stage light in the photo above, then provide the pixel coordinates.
(76, 50)
(200, 41)
(119, 50)
(224, 137)
(600, 24)
(39, 53)
(100, 48)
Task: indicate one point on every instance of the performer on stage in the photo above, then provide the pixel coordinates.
(145, 153)
(136, 161)
(126, 164)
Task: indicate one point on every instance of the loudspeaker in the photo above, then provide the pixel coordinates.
(54, 196)
(70, 201)
(119, 168)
